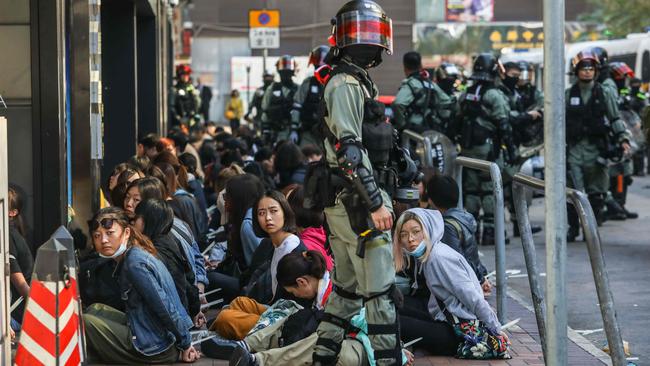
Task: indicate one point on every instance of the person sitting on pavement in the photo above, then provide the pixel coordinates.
(276, 222)
(240, 194)
(457, 302)
(460, 225)
(152, 188)
(310, 224)
(303, 275)
(290, 164)
(154, 218)
(21, 262)
(155, 326)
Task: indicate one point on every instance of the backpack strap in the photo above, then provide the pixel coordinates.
(456, 225)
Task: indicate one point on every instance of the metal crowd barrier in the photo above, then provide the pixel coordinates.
(579, 200)
(499, 224)
(408, 136)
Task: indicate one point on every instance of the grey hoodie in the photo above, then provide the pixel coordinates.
(451, 279)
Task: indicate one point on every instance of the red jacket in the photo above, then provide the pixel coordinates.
(314, 239)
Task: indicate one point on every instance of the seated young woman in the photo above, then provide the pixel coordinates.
(155, 327)
(276, 222)
(303, 275)
(456, 306)
(153, 188)
(154, 218)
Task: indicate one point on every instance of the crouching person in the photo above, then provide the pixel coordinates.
(456, 295)
(155, 327)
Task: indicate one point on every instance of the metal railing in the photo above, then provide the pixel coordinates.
(581, 203)
(499, 223)
(408, 136)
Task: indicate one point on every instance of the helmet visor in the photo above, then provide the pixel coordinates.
(286, 63)
(355, 27)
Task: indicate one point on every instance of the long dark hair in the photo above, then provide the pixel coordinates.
(304, 218)
(289, 218)
(242, 191)
(121, 218)
(294, 265)
(149, 187)
(16, 202)
(169, 158)
(158, 217)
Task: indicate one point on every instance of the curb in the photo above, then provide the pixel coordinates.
(576, 338)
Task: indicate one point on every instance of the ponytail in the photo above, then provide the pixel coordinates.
(294, 265)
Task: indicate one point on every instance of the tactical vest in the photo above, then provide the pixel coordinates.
(376, 133)
(586, 120)
(426, 104)
(309, 113)
(279, 108)
(472, 132)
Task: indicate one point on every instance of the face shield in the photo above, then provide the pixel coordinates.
(354, 27)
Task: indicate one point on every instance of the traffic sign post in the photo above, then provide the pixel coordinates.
(264, 32)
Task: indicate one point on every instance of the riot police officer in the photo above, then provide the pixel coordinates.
(594, 133)
(359, 215)
(420, 104)
(186, 99)
(305, 112)
(256, 101)
(620, 173)
(485, 130)
(604, 69)
(277, 102)
(447, 78)
(520, 120)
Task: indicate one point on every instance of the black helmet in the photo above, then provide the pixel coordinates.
(601, 54)
(485, 67)
(362, 22)
(524, 65)
(447, 70)
(286, 62)
(511, 65)
(317, 55)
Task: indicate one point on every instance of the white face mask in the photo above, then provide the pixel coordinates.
(117, 253)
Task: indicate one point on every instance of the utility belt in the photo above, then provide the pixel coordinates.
(473, 133)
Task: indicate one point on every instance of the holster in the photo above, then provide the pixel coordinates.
(358, 215)
(320, 187)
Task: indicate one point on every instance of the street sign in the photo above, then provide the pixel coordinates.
(264, 28)
(264, 38)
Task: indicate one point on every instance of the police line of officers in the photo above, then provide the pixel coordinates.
(497, 115)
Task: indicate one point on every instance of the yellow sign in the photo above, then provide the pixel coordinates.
(264, 18)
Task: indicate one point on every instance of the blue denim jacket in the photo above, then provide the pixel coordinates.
(183, 233)
(155, 316)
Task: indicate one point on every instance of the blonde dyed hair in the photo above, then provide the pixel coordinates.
(401, 259)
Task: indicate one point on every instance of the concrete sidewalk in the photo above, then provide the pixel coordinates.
(526, 349)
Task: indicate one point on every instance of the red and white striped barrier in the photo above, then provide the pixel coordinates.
(51, 324)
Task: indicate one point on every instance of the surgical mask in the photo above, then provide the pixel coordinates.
(117, 253)
(510, 81)
(419, 251)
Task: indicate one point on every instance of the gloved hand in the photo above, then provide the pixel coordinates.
(293, 136)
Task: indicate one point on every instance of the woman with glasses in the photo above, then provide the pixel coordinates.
(155, 326)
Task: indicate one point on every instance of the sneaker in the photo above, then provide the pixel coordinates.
(242, 357)
(220, 348)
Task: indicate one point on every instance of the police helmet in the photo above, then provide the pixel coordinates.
(362, 22)
(601, 54)
(317, 55)
(485, 67)
(584, 59)
(286, 62)
(447, 70)
(183, 69)
(620, 70)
